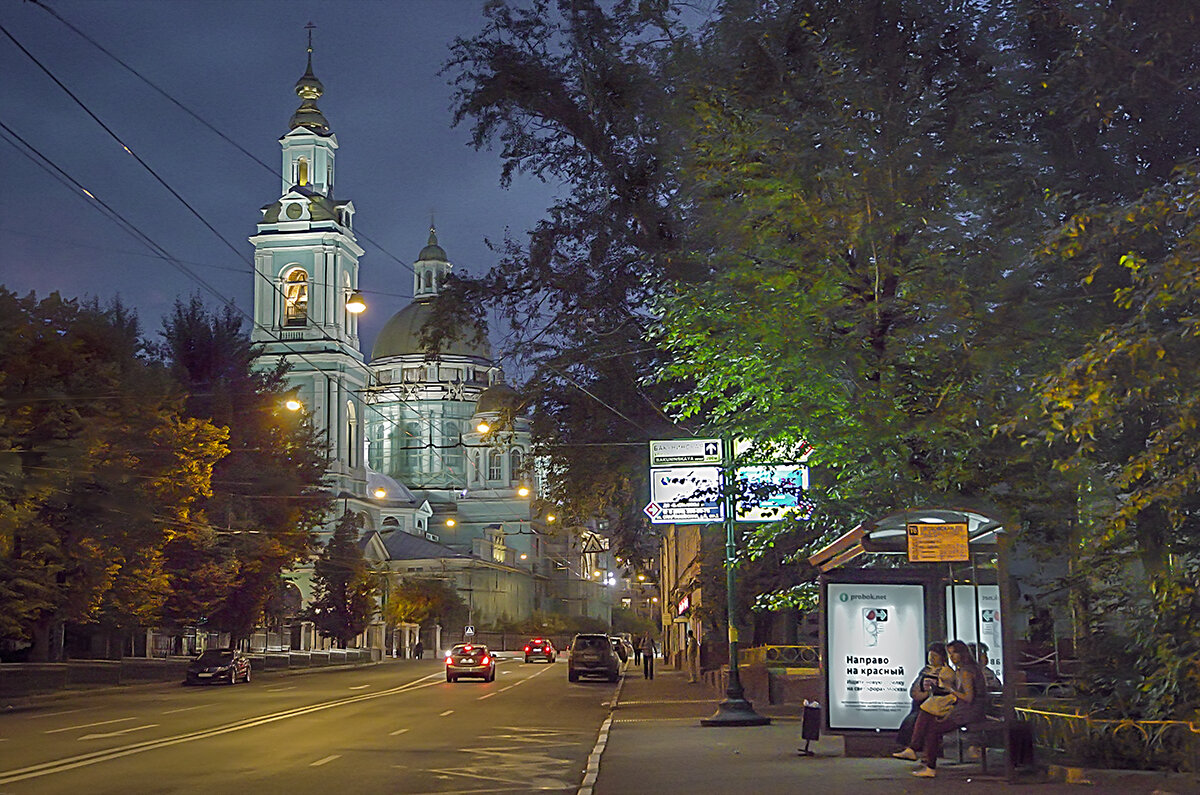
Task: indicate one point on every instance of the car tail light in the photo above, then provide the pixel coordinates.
(485, 660)
(527, 650)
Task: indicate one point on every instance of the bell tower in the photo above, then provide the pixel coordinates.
(305, 273)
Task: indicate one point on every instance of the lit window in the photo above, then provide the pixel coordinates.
(495, 469)
(295, 294)
(302, 171)
(515, 464)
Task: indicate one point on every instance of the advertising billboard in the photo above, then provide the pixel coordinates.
(772, 493)
(961, 614)
(876, 646)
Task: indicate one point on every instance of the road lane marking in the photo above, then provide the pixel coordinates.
(86, 725)
(397, 732)
(360, 687)
(447, 712)
(106, 735)
(486, 695)
(186, 709)
(326, 760)
(280, 689)
(95, 757)
(55, 714)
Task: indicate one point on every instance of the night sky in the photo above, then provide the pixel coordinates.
(235, 64)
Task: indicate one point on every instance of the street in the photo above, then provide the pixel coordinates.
(394, 727)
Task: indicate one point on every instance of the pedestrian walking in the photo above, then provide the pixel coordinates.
(637, 653)
(692, 657)
(647, 647)
(419, 650)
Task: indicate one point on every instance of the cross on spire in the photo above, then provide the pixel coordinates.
(310, 27)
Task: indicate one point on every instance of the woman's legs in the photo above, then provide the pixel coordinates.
(920, 728)
(933, 740)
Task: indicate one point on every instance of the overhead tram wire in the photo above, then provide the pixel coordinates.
(166, 95)
(208, 125)
(428, 421)
(131, 228)
(67, 180)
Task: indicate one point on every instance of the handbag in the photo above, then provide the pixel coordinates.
(939, 706)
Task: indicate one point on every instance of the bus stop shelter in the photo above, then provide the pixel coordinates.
(945, 578)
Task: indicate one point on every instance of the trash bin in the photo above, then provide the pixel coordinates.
(810, 725)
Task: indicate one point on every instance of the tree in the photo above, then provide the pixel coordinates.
(101, 471)
(422, 601)
(573, 92)
(344, 596)
(267, 493)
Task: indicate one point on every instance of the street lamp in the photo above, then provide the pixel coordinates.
(380, 493)
(450, 522)
(292, 404)
(523, 491)
(355, 304)
(483, 427)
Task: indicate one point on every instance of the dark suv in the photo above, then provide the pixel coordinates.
(592, 655)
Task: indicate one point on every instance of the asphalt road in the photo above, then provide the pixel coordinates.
(397, 727)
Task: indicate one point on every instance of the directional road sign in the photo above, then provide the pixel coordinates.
(685, 495)
(677, 452)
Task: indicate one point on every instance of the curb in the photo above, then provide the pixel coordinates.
(593, 762)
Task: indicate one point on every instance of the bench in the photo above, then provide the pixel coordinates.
(986, 733)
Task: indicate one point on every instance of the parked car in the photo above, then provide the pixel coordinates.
(592, 655)
(619, 647)
(540, 649)
(218, 665)
(470, 659)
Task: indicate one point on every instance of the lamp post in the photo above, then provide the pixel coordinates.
(735, 710)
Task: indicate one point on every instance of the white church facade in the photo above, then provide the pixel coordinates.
(429, 447)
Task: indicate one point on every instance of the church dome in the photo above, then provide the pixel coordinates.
(497, 398)
(402, 335)
(432, 251)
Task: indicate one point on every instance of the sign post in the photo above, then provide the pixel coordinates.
(735, 710)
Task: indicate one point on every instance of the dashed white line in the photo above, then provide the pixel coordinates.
(119, 733)
(447, 712)
(397, 732)
(55, 714)
(280, 689)
(360, 687)
(87, 725)
(485, 695)
(186, 709)
(326, 760)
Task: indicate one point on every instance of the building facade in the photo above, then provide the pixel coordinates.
(423, 442)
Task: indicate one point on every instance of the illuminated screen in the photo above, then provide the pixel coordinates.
(876, 646)
(961, 616)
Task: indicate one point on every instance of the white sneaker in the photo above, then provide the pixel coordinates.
(924, 772)
(907, 753)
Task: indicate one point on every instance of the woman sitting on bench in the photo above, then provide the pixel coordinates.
(970, 705)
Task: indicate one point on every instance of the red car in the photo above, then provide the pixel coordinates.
(540, 649)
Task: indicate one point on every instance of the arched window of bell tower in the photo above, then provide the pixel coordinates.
(302, 171)
(295, 297)
(428, 280)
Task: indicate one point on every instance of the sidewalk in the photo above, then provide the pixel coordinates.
(655, 744)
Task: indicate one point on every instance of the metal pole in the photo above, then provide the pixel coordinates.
(735, 710)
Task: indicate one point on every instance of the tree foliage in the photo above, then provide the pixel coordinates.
(101, 470)
(343, 591)
(267, 494)
(415, 600)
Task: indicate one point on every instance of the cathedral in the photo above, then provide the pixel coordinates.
(430, 448)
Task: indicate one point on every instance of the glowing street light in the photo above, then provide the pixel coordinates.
(483, 427)
(291, 404)
(550, 518)
(450, 522)
(355, 305)
(523, 491)
(380, 493)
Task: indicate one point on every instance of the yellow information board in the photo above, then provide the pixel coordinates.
(933, 543)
